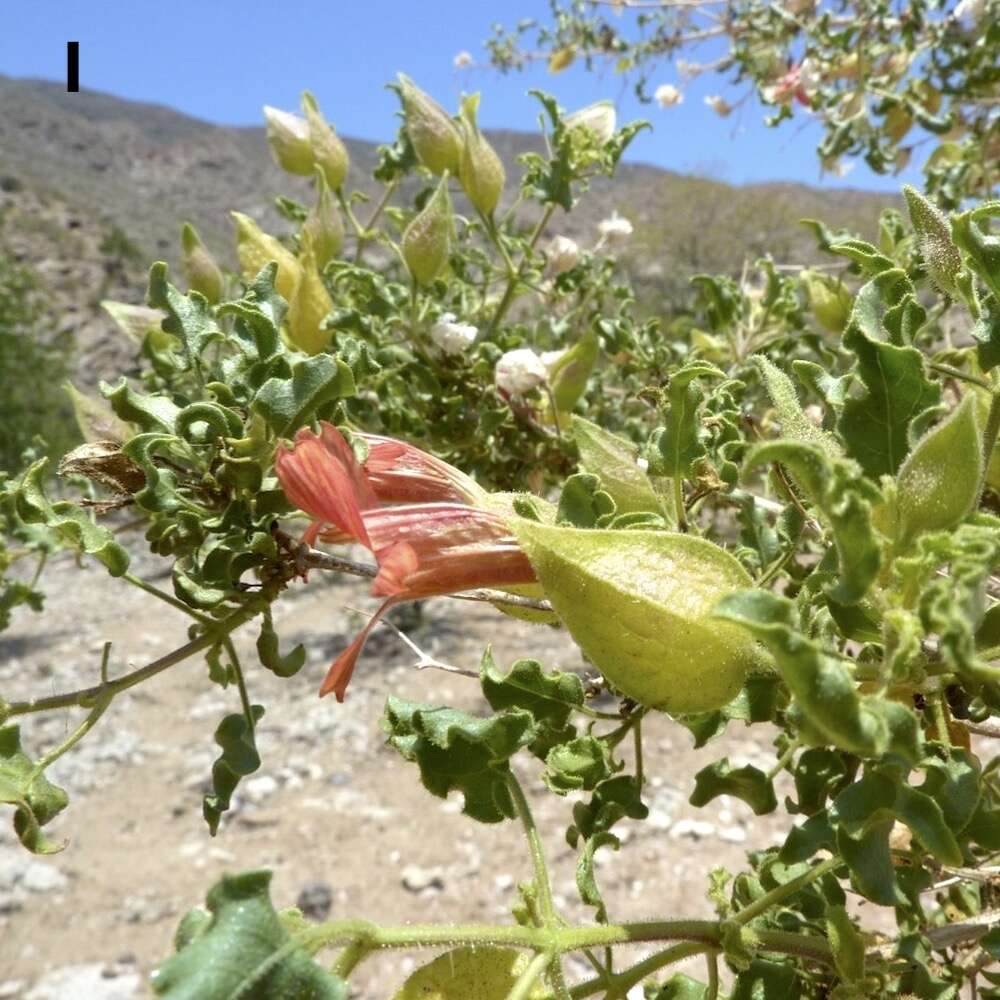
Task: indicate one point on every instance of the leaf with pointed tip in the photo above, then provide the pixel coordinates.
(189, 317)
(242, 950)
(586, 877)
(795, 425)
(844, 498)
(239, 758)
(35, 799)
(678, 445)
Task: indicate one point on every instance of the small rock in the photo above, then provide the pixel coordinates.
(658, 819)
(733, 834)
(87, 982)
(503, 883)
(256, 790)
(12, 989)
(418, 879)
(696, 829)
(315, 900)
(42, 877)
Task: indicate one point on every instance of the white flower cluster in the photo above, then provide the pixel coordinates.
(614, 231)
(668, 96)
(520, 371)
(562, 253)
(452, 337)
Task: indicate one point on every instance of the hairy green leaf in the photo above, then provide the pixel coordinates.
(747, 783)
(35, 799)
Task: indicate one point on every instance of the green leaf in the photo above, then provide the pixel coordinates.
(287, 404)
(270, 654)
(582, 502)
(586, 876)
(822, 686)
(938, 483)
(638, 603)
(149, 412)
(847, 945)
(455, 750)
(844, 499)
(549, 697)
(747, 783)
(189, 317)
(831, 389)
(795, 425)
(613, 460)
(941, 255)
(138, 322)
(74, 526)
(982, 250)
(482, 973)
(35, 799)
(613, 800)
(681, 987)
(678, 445)
(580, 763)
(238, 759)
(243, 952)
(876, 426)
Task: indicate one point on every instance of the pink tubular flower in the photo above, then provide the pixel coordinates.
(436, 543)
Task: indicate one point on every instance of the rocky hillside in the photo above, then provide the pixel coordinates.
(93, 188)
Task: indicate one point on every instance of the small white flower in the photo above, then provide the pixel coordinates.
(719, 105)
(599, 119)
(615, 231)
(643, 463)
(463, 60)
(563, 254)
(452, 337)
(668, 96)
(972, 9)
(520, 371)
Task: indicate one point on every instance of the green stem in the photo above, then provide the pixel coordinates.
(619, 985)
(682, 523)
(940, 719)
(522, 988)
(241, 684)
(345, 207)
(712, 958)
(775, 896)
(637, 743)
(53, 755)
(162, 595)
(365, 237)
(90, 696)
(960, 375)
(542, 884)
(990, 433)
(42, 560)
(783, 760)
(350, 958)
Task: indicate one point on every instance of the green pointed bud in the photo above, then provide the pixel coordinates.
(427, 240)
(288, 137)
(599, 119)
(309, 306)
(435, 137)
(569, 371)
(830, 300)
(323, 226)
(203, 274)
(942, 257)
(329, 152)
(639, 604)
(481, 172)
(938, 483)
(255, 249)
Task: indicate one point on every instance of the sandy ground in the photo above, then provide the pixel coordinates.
(337, 814)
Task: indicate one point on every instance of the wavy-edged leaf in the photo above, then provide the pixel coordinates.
(189, 317)
(747, 783)
(149, 412)
(286, 404)
(269, 651)
(579, 763)
(239, 757)
(455, 750)
(35, 799)
(844, 498)
(241, 951)
(549, 696)
(586, 876)
(795, 425)
(676, 447)
(74, 526)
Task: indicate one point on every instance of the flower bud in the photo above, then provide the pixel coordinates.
(323, 226)
(942, 257)
(563, 254)
(569, 370)
(329, 152)
(830, 300)
(520, 371)
(668, 96)
(427, 240)
(562, 58)
(435, 137)
(599, 119)
(309, 306)
(615, 231)
(452, 337)
(255, 249)
(481, 172)
(288, 137)
(203, 274)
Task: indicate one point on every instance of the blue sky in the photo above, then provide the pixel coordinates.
(221, 60)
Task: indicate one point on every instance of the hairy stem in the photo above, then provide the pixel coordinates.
(541, 869)
(775, 896)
